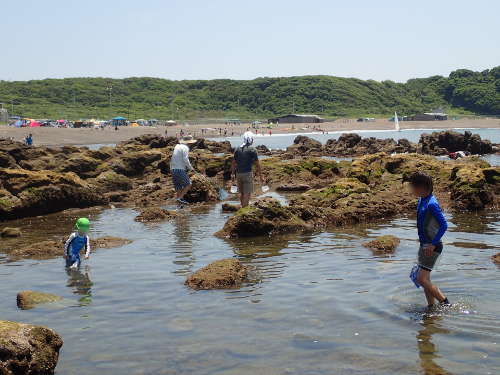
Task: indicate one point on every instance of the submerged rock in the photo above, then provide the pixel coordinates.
(154, 214)
(265, 217)
(221, 274)
(28, 350)
(28, 299)
(108, 242)
(10, 232)
(383, 244)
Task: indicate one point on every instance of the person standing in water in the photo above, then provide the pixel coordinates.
(29, 140)
(76, 242)
(431, 225)
(245, 157)
(179, 165)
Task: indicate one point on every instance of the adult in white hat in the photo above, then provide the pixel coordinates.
(245, 157)
(179, 166)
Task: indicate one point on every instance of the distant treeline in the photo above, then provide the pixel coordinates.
(464, 91)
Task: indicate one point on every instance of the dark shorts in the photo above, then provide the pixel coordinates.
(180, 179)
(428, 262)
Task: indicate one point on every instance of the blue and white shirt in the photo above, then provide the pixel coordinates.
(75, 243)
(431, 222)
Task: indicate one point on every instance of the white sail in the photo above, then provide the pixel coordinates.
(396, 122)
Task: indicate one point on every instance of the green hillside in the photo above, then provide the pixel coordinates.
(464, 91)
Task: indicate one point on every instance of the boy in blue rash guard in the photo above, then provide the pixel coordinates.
(77, 241)
(431, 225)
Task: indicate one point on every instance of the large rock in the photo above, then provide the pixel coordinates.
(221, 274)
(469, 188)
(265, 217)
(28, 350)
(28, 299)
(133, 164)
(202, 190)
(304, 145)
(438, 143)
(150, 140)
(383, 244)
(81, 164)
(152, 214)
(29, 193)
(212, 146)
(112, 181)
(351, 144)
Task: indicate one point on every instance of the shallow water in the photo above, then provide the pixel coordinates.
(319, 304)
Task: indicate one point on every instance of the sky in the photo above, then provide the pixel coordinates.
(237, 39)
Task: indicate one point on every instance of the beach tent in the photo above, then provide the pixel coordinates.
(134, 124)
(18, 123)
(34, 124)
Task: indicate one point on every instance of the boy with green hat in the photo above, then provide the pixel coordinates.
(77, 241)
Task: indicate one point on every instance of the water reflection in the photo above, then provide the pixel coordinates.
(81, 284)
(427, 350)
(183, 244)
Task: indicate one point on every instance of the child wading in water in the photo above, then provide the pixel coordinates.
(431, 227)
(77, 241)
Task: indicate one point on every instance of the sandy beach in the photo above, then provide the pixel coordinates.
(68, 136)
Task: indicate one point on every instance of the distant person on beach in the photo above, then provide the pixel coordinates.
(431, 225)
(29, 140)
(245, 157)
(179, 165)
(76, 242)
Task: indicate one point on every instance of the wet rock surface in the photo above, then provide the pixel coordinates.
(496, 259)
(202, 190)
(28, 299)
(221, 274)
(383, 244)
(27, 349)
(154, 214)
(292, 187)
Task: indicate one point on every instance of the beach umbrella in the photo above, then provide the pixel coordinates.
(61, 121)
(34, 124)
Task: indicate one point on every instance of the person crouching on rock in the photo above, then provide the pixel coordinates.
(431, 225)
(76, 242)
(179, 165)
(245, 157)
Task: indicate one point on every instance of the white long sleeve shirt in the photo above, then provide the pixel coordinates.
(75, 243)
(180, 158)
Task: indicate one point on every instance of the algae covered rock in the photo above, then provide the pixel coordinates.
(265, 217)
(383, 244)
(108, 242)
(152, 214)
(202, 190)
(469, 188)
(29, 298)
(27, 349)
(112, 181)
(10, 232)
(38, 193)
(293, 187)
(221, 274)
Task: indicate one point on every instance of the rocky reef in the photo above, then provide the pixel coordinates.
(221, 274)
(28, 350)
(370, 188)
(28, 299)
(440, 143)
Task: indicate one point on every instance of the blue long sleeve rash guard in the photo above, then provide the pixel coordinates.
(431, 222)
